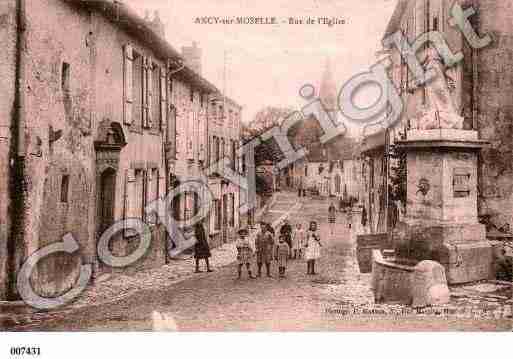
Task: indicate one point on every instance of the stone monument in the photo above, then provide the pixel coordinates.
(442, 161)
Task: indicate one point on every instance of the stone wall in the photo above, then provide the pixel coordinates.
(495, 110)
(7, 84)
(63, 117)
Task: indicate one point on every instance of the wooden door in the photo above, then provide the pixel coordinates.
(107, 199)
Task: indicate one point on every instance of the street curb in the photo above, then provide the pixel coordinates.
(9, 320)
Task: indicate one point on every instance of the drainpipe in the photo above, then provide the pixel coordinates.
(15, 245)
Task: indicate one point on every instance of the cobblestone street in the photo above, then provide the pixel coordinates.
(218, 301)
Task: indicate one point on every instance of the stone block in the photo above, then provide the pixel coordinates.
(429, 285)
(462, 249)
(467, 262)
(365, 244)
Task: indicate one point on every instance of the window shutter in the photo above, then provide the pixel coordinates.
(151, 182)
(201, 135)
(145, 92)
(127, 82)
(149, 94)
(190, 135)
(163, 98)
(130, 199)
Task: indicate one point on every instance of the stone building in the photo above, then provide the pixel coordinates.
(96, 122)
(326, 168)
(224, 139)
(480, 88)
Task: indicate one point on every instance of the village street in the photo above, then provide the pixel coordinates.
(218, 301)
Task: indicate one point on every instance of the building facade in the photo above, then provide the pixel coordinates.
(224, 140)
(96, 123)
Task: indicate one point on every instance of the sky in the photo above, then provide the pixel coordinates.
(266, 65)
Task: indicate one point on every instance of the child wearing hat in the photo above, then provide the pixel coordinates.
(244, 252)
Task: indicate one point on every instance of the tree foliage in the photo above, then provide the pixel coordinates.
(264, 120)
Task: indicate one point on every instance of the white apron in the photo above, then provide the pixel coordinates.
(313, 251)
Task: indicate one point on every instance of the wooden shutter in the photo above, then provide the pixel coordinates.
(130, 199)
(163, 98)
(202, 135)
(145, 92)
(149, 94)
(190, 135)
(151, 192)
(162, 183)
(128, 59)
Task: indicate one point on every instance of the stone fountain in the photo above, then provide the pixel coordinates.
(440, 241)
(442, 181)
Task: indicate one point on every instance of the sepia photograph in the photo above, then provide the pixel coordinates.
(249, 167)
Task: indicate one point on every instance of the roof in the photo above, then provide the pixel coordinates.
(127, 19)
(395, 21)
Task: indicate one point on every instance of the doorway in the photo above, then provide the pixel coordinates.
(107, 199)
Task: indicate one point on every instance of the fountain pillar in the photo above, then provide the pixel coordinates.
(442, 219)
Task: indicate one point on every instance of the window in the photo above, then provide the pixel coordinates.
(191, 94)
(233, 155)
(217, 145)
(64, 188)
(201, 100)
(435, 23)
(221, 113)
(232, 210)
(217, 215)
(65, 77)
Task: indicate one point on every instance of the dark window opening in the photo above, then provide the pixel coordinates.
(65, 81)
(243, 164)
(64, 188)
(435, 23)
(191, 94)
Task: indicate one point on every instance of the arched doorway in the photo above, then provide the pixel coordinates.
(108, 145)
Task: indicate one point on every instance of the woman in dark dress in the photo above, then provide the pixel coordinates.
(201, 248)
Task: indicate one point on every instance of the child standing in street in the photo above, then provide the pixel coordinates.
(283, 255)
(244, 252)
(313, 247)
(298, 241)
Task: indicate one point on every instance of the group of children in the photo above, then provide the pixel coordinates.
(292, 244)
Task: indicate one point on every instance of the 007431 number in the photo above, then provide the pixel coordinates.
(25, 351)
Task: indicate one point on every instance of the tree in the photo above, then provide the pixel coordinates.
(264, 120)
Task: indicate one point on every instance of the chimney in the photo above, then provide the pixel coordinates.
(156, 24)
(192, 56)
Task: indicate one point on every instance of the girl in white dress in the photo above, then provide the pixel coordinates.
(313, 247)
(298, 241)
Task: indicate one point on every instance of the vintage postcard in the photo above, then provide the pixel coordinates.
(249, 166)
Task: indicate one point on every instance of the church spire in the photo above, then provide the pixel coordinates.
(328, 88)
